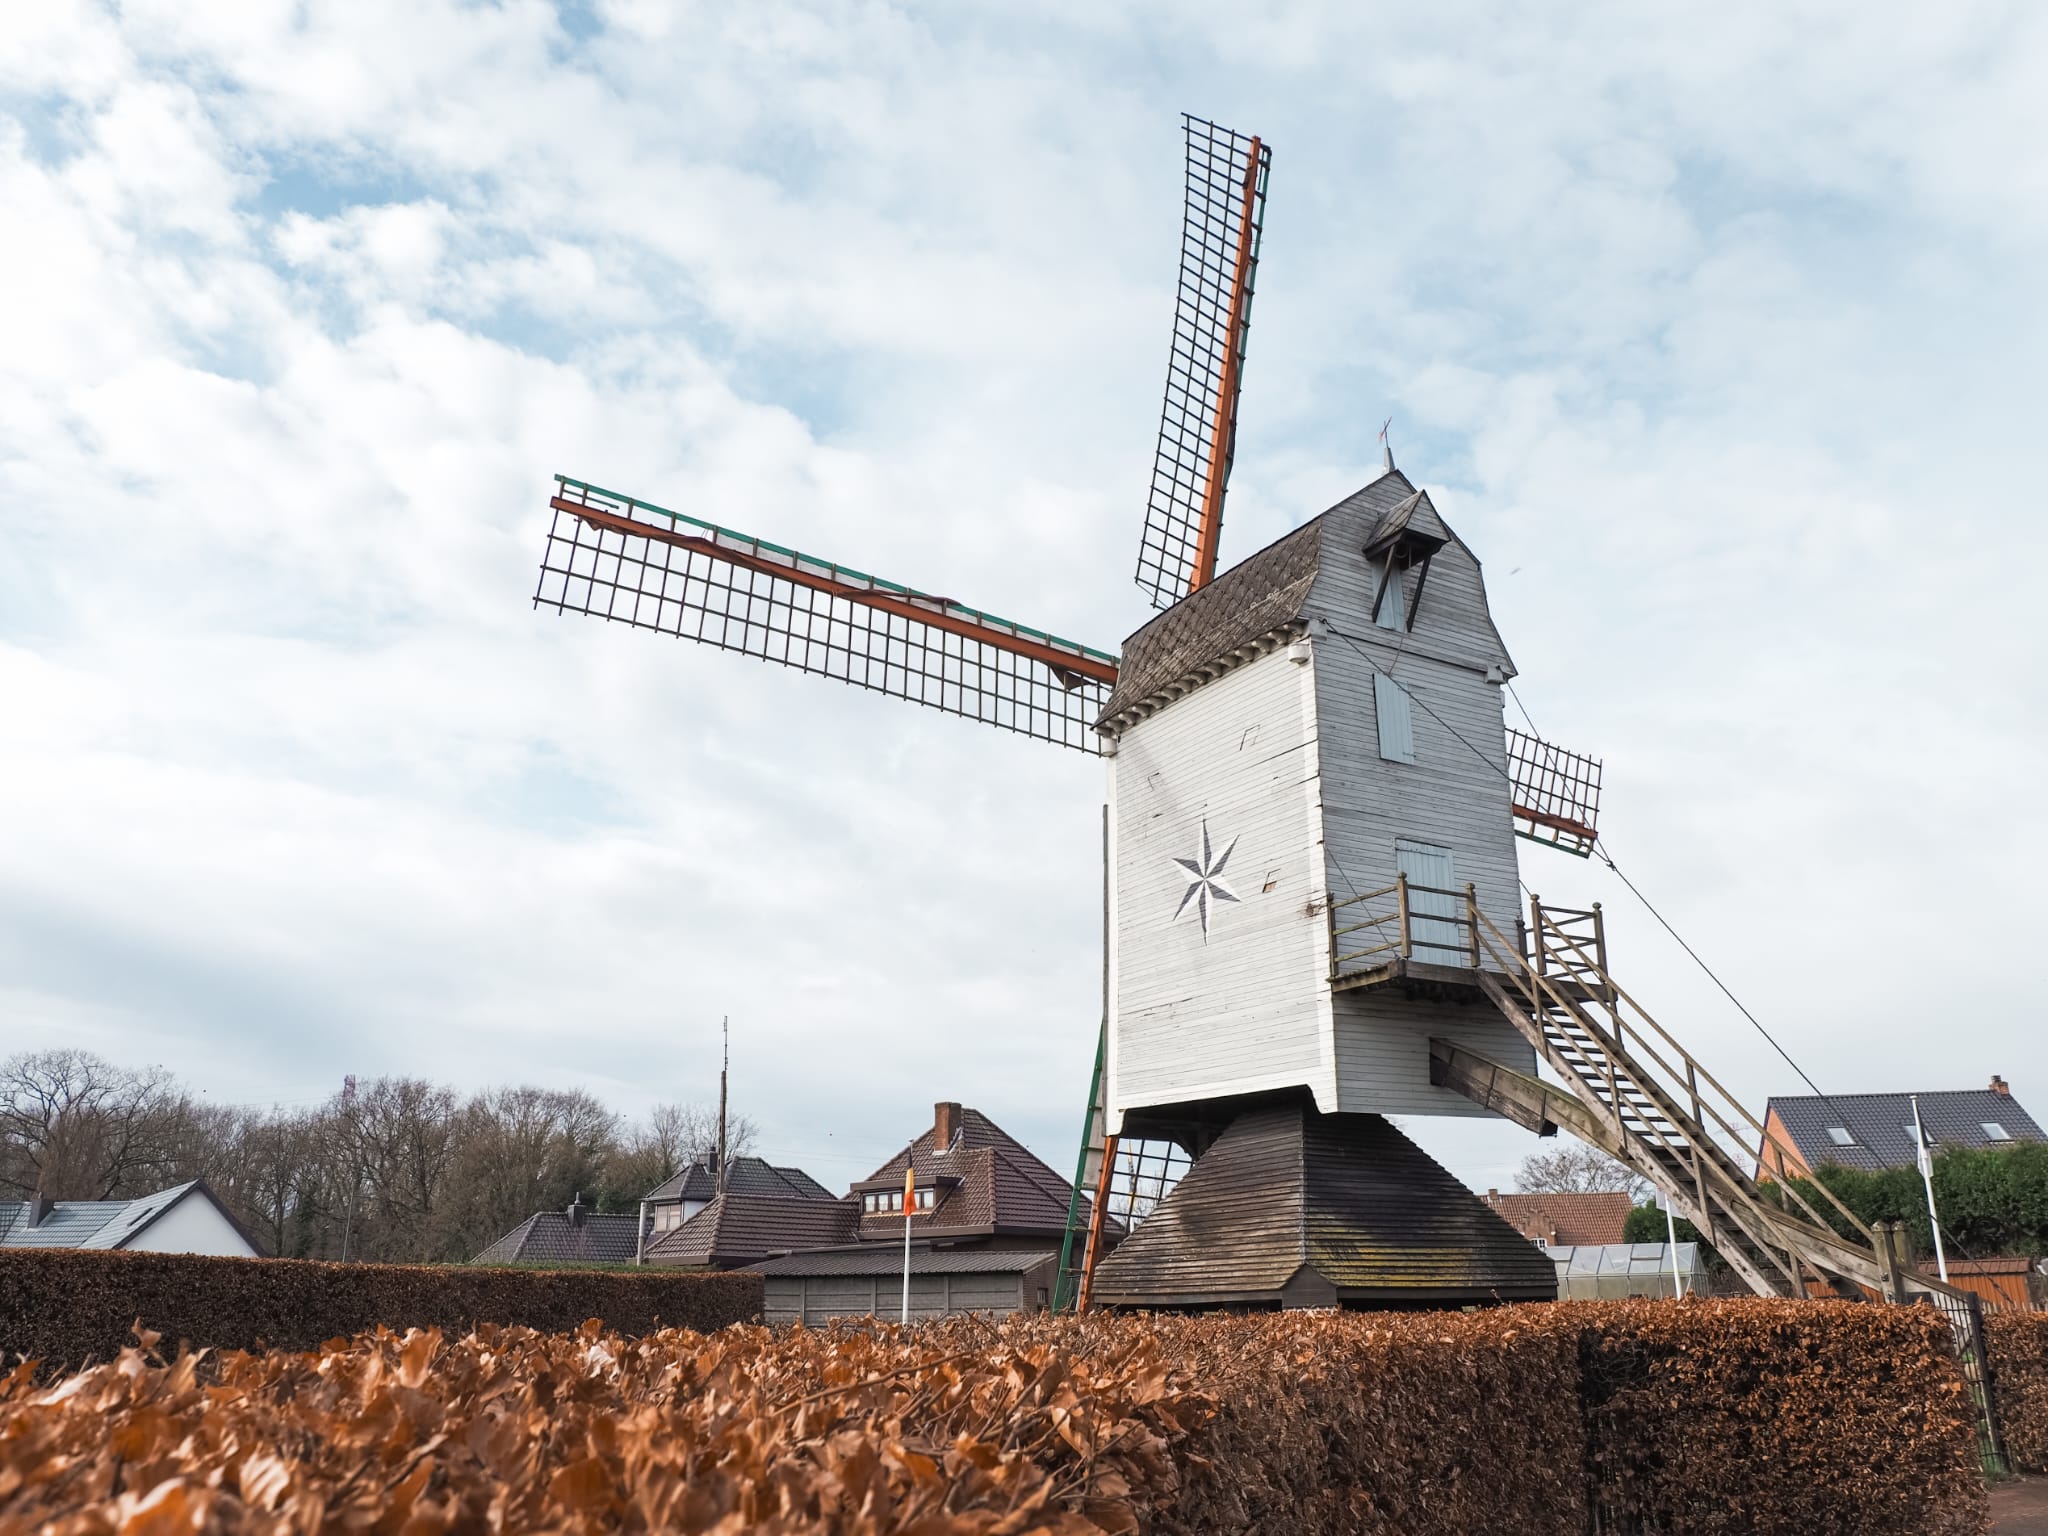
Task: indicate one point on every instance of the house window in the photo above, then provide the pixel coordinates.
(1839, 1135)
(1397, 724)
(1391, 614)
(1995, 1131)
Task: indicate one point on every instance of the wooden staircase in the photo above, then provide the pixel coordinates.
(1632, 1090)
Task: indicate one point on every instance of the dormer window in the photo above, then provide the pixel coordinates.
(889, 1202)
(1401, 541)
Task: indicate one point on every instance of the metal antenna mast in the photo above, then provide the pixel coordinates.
(724, 1062)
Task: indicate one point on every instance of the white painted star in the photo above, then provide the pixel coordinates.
(1205, 882)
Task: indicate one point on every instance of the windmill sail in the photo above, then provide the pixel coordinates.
(623, 559)
(1226, 200)
(1556, 793)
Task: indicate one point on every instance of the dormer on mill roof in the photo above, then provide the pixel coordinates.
(1331, 569)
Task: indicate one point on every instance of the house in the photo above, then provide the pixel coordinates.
(1873, 1131)
(739, 1227)
(575, 1235)
(1556, 1220)
(675, 1200)
(187, 1218)
(986, 1232)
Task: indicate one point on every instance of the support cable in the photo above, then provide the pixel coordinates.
(1606, 857)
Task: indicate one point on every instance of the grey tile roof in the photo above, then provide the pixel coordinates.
(1880, 1124)
(93, 1223)
(67, 1226)
(140, 1213)
(748, 1175)
(887, 1259)
(550, 1237)
(737, 1228)
(1345, 1202)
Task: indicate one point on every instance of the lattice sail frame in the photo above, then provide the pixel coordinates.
(1226, 202)
(1556, 793)
(1144, 1173)
(627, 560)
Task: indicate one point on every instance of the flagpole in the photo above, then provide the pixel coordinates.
(909, 1210)
(1926, 1161)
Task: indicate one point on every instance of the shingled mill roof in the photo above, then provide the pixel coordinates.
(1312, 1209)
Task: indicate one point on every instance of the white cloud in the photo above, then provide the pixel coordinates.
(1716, 332)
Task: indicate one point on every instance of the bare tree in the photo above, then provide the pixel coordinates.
(672, 1137)
(76, 1127)
(1577, 1169)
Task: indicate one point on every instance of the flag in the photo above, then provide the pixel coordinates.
(909, 1193)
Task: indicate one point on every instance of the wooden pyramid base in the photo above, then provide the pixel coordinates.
(1294, 1208)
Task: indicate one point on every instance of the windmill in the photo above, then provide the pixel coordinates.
(1312, 913)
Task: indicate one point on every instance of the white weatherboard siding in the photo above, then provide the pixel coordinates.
(193, 1225)
(1452, 796)
(1246, 1006)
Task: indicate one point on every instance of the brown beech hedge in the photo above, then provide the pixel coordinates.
(1750, 1416)
(2017, 1343)
(67, 1307)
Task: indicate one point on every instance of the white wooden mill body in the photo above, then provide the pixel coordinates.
(1247, 715)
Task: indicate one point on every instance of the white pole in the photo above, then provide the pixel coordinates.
(1926, 1161)
(906, 1267)
(1671, 1226)
(909, 1210)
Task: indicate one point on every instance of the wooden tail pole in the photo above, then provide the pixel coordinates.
(1223, 431)
(1095, 1216)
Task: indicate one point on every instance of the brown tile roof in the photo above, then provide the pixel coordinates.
(1565, 1220)
(737, 1228)
(1002, 1185)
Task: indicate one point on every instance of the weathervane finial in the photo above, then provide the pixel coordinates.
(1386, 448)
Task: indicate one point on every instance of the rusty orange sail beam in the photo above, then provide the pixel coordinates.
(939, 615)
(1211, 536)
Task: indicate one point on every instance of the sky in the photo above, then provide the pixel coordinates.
(1716, 333)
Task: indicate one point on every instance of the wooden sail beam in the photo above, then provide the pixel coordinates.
(1223, 430)
(934, 611)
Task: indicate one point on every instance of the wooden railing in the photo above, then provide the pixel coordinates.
(1379, 927)
(1639, 1067)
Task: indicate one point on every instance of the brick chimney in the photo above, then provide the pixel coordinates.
(945, 1126)
(576, 1210)
(1999, 1087)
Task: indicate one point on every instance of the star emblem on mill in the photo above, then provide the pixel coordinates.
(1204, 875)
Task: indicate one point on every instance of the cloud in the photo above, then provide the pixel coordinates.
(1715, 335)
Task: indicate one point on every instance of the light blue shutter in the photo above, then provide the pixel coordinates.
(1436, 941)
(1397, 724)
(1391, 615)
